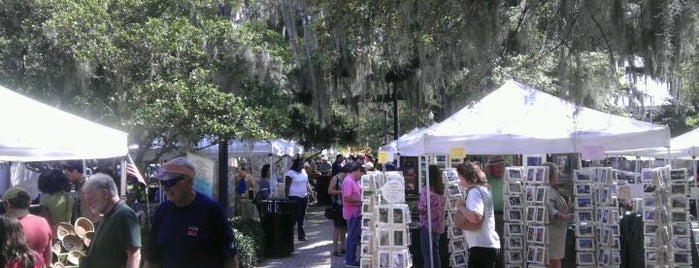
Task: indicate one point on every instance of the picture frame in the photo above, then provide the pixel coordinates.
(365, 262)
(683, 258)
(513, 256)
(584, 244)
(681, 244)
(530, 193)
(679, 189)
(583, 202)
(585, 258)
(514, 173)
(531, 175)
(513, 187)
(513, 229)
(366, 207)
(450, 175)
(366, 249)
(515, 201)
(582, 189)
(680, 216)
(540, 194)
(584, 229)
(459, 259)
(540, 255)
(580, 176)
(540, 235)
(678, 175)
(680, 229)
(541, 215)
(384, 238)
(531, 214)
(400, 259)
(457, 245)
(583, 215)
(649, 202)
(384, 215)
(531, 253)
(385, 259)
(366, 222)
(398, 216)
(648, 214)
(651, 256)
(679, 203)
(455, 232)
(514, 215)
(399, 238)
(453, 189)
(514, 242)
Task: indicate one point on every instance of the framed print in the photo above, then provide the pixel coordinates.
(366, 237)
(459, 259)
(648, 214)
(680, 216)
(614, 228)
(384, 237)
(513, 256)
(400, 259)
(583, 215)
(585, 258)
(514, 173)
(584, 244)
(531, 234)
(581, 176)
(651, 256)
(583, 202)
(365, 262)
(540, 235)
(398, 216)
(513, 187)
(531, 214)
(366, 249)
(679, 203)
(533, 160)
(531, 253)
(540, 194)
(514, 215)
(399, 238)
(457, 245)
(366, 222)
(513, 229)
(679, 189)
(650, 242)
(681, 244)
(384, 215)
(366, 207)
(385, 259)
(531, 175)
(453, 189)
(450, 175)
(649, 202)
(540, 214)
(582, 189)
(680, 229)
(539, 257)
(515, 201)
(683, 258)
(678, 175)
(584, 230)
(455, 232)
(514, 242)
(530, 193)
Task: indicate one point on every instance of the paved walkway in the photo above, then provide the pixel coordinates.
(314, 252)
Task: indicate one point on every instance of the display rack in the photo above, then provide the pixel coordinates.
(458, 248)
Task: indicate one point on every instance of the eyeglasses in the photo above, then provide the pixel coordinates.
(171, 182)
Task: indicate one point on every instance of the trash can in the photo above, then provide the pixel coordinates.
(277, 218)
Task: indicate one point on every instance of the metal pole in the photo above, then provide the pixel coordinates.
(396, 127)
(223, 176)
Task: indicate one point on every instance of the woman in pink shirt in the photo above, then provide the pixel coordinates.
(437, 213)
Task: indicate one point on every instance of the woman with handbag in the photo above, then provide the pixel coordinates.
(335, 191)
(477, 217)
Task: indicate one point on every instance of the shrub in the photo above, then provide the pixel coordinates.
(252, 239)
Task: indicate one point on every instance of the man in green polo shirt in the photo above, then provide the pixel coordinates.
(117, 240)
(495, 171)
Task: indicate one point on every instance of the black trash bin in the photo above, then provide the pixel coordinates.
(277, 218)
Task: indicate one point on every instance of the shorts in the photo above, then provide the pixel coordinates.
(338, 220)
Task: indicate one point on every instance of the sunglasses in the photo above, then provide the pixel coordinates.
(171, 182)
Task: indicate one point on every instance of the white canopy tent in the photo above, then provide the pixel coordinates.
(685, 146)
(518, 119)
(37, 132)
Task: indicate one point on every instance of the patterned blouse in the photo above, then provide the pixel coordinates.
(437, 211)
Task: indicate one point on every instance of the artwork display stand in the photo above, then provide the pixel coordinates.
(385, 217)
(525, 216)
(458, 248)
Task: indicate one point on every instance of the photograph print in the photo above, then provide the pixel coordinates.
(514, 215)
(584, 244)
(514, 173)
(540, 194)
(583, 215)
(583, 189)
(583, 202)
(514, 242)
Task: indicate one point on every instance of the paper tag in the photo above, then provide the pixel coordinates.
(457, 153)
(593, 153)
(393, 192)
(385, 157)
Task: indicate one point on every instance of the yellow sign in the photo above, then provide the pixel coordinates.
(385, 157)
(457, 153)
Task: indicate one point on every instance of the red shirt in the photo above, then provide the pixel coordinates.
(38, 233)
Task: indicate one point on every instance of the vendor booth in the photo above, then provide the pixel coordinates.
(38, 132)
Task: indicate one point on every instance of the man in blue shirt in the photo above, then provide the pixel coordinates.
(189, 229)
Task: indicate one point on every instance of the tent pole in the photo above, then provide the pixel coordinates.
(122, 184)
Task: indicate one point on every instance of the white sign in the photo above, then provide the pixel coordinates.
(204, 178)
(393, 192)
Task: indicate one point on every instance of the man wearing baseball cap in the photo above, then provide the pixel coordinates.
(189, 229)
(495, 171)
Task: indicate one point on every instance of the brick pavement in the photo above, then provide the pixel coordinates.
(314, 252)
